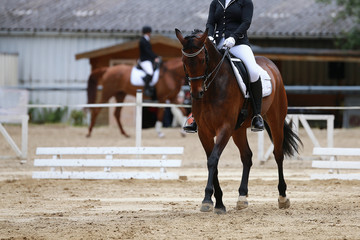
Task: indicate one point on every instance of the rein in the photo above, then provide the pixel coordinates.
(205, 76)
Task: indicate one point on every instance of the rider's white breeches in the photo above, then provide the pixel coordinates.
(147, 66)
(245, 53)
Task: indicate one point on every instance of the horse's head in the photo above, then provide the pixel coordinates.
(195, 60)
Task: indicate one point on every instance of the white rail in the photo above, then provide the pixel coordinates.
(303, 118)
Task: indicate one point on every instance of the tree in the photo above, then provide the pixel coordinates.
(348, 9)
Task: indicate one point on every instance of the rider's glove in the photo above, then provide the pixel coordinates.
(229, 42)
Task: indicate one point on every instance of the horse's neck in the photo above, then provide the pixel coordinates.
(215, 58)
(214, 55)
(224, 82)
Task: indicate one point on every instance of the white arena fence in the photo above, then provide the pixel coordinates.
(262, 156)
(13, 110)
(68, 162)
(334, 165)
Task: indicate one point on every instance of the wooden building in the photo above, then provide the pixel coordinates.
(128, 52)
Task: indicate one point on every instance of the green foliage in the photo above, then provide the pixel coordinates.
(348, 9)
(351, 40)
(77, 117)
(46, 115)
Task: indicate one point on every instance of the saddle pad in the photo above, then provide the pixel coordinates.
(265, 80)
(136, 77)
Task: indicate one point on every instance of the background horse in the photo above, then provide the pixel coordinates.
(217, 103)
(116, 82)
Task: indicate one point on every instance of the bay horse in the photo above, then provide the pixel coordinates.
(217, 102)
(115, 81)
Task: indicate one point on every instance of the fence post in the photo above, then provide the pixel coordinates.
(138, 127)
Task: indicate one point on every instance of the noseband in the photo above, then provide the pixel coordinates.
(206, 76)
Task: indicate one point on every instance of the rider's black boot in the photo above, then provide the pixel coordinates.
(191, 128)
(148, 91)
(257, 122)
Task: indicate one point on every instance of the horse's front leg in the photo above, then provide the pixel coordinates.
(240, 139)
(213, 184)
(207, 203)
(219, 205)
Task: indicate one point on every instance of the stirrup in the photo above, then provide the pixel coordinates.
(191, 128)
(257, 128)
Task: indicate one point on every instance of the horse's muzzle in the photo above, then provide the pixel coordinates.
(198, 94)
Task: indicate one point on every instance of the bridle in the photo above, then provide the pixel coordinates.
(205, 76)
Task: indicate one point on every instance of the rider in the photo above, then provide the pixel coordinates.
(228, 22)
(147, 59)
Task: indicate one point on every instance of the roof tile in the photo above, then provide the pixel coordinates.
(305, 18)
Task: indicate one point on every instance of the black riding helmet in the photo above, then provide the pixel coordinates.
(146, 29)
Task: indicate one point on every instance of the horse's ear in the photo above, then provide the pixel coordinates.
(180, 36)
(204, 36)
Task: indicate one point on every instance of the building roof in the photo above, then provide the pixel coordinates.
(272, 18)
(162, 45)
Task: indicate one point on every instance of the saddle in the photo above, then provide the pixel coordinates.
(243, 78)
(240, 65)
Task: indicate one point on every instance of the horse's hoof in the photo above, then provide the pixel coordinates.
(221, 210)
(182, 133)
(161, 135)
(284, 202)
(206, 207)
(88, 135)
(242, 203)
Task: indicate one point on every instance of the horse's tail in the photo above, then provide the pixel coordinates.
(93, 82)
(291, 140)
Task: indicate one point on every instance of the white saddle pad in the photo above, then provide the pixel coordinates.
(137, 75)
(265, 80)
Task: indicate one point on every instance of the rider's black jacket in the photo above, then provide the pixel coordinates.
(146, 52)
(232, 21)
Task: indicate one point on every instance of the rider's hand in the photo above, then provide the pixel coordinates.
(229, 42)
(157, 60)
(211, 38)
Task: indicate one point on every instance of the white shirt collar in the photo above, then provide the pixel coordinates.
(147, 37)
(227, 3)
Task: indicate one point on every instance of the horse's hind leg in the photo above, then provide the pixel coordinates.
(277, 132)
(94, 113)
(159, 123)
(240, 139)
(120, 96)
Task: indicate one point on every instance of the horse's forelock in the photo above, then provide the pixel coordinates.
(196, 33)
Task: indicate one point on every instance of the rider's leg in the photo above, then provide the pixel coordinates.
(245, 53)
(257, 123)
(147, 66)
(147, 91)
